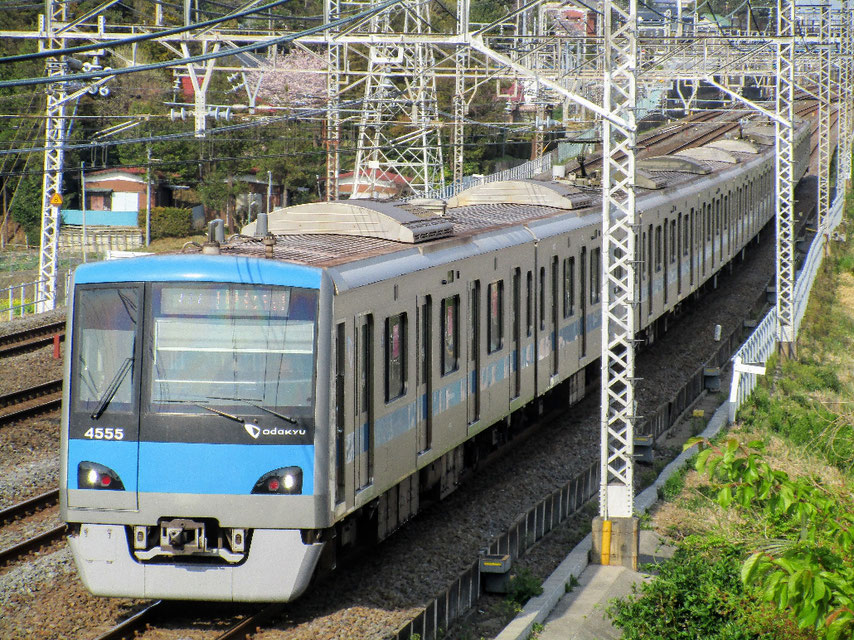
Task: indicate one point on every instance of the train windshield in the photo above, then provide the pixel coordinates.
(232, 349)
(105, 347)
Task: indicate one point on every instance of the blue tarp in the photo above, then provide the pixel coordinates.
(100, 218)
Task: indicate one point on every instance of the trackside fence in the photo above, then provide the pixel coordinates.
(667, 413)
(439, 614)
(749, 361)
(24, 299)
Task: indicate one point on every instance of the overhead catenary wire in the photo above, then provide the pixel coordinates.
(222, 53)
(52, 53)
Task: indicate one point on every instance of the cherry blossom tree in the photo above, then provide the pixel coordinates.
(295, 79)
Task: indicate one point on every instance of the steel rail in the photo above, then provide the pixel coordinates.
(29, 339)
(31, 505)
(52, 389)
(36, 542)
(129, 627)
(247, 627)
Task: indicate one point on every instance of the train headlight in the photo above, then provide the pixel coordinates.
(286, 480)
(91, 475)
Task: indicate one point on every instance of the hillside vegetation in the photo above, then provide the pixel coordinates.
(765, 521)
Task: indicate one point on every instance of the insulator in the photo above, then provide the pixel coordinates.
(104, 92)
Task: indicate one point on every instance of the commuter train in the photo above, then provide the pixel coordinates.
(236, 414)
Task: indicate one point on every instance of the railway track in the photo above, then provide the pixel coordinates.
(30, 339)
(20, 513)
(673, 138)
(31, 401)
(245, 626)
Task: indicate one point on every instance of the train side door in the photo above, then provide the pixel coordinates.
(424, 373)
(473, 396)
(364, 396)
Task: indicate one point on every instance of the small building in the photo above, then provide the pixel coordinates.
(375, 185)
(117, 190)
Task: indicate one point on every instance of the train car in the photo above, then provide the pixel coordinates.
(234, 415)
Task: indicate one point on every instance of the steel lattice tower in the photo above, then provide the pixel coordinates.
(785, 184)
(824, 107)
(55, 130)
(619, 225)
(399, 128)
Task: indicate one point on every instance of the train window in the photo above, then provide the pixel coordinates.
(685, 232)
(707, 217)
(450, 334)
(365, 367)
(726, 212)
(105, 348)
(542, 298)
(517, 298)
(644, 257)
(395, 356)
(340, 364)
(529, 302)
(495, 325)
(595, 275)
(658, 248)
(226, 344)
(568, 286)
(674, 249)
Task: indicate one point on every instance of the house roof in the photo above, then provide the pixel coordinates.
(377, 174)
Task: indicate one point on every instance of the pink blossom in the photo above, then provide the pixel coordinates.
(295, 79)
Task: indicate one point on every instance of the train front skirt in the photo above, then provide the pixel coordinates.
(278, 568)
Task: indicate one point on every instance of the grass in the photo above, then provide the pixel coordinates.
(166, 245)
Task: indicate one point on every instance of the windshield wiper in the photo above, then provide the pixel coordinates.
(112, 389)
(220, 413)
(258, 406)
(270, 411)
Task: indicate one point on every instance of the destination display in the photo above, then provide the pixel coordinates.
(225, 301)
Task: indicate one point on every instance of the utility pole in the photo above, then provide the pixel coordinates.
(83, 206)
(147, 195)
(55, 129)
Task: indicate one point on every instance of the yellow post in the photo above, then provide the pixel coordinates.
(606, 542)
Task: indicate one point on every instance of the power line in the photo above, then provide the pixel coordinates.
(200, 58)
(52, 53)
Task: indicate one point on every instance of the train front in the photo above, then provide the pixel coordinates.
(189, 424)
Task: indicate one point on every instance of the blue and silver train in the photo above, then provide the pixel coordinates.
(236, 414)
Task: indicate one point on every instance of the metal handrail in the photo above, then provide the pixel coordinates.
(750, 359)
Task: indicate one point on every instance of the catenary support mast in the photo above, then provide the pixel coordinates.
(619, 225)
(784, 125)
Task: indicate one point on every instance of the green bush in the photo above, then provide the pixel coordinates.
(699, 594)
(523, 586)
(168, 222)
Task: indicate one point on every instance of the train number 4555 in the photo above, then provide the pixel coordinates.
(104, 433)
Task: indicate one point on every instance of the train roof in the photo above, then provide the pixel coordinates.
(347, 236)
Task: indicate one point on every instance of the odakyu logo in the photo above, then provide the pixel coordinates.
(255, 431)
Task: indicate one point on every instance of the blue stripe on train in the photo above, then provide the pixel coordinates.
(189, 467)
(118, 455)
(184, 467)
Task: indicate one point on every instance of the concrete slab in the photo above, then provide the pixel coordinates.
(580, 615)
